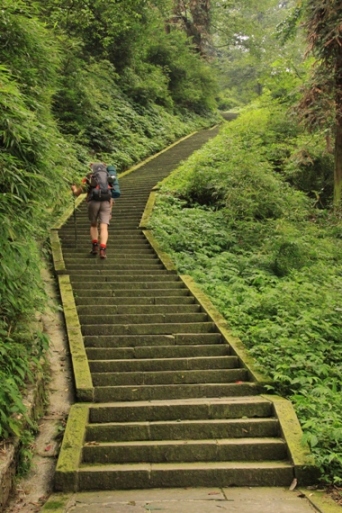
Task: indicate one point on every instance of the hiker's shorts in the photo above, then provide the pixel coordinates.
(99, 211)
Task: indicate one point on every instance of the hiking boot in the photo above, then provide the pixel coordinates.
(94, 248)
(103, 253)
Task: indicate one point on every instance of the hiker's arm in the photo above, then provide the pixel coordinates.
(78, 189)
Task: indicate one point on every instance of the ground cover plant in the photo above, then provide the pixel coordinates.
(269, 259)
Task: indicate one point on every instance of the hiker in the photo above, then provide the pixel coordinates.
(99, 199)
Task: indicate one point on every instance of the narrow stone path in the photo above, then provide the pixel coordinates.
(169, 401)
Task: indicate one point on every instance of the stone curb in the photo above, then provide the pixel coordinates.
(306, 472)
(322, 502)
(66, 474)
(82, 376)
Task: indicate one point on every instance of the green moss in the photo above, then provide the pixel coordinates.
(56, 503)
(71, 450)
(83, 380)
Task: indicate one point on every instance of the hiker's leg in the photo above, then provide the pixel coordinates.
(93, 213)
(104, 217)
(94, 233)
(103, 234)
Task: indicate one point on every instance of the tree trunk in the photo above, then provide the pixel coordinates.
(195, 18)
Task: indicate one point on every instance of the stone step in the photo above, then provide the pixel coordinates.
(171, 451)
(123, 234)
(136, 285)
(162, 364)
(109, 276)
(140, 341)
(198, 429)
(141, 318)
(148, 329)
(180, 475)
(117, 293)
(130, 301)
(168, 392)
(84, 244)
(174, 377)
(148, 258)
(82, 253)
(118, 309)
(117, 266)
(157, 352)
(185, 409)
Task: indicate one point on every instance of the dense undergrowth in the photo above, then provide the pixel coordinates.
(269, 259)
(78, 82)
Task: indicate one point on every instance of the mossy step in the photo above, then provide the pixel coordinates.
(134, 301)
(169, 475)
(110, 276)
(116, 292)
(169, 377)
(148, 256)
(128, 235)
(138, 284)
(143, 318)
(137, 309)
(157, 352)
(169, 392)
(75, 252)
(253, 449)
(85, 245)
(185, 409)
(117, 266)
(148, 329)
(159, 364)
(136, 341)
(197, 429)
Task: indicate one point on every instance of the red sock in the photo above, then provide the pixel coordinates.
(103, 246)
(95, 241)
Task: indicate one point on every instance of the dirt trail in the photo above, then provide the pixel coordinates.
(33, 490)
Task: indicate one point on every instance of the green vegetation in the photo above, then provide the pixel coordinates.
(268, 258)
(78, 81)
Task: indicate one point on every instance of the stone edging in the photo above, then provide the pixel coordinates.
(82, 376)
(306, 472)
(66, 474)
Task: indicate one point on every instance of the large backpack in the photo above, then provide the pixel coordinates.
(99, 186)
(114, 182)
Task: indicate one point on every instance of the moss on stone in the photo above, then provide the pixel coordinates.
(322, 502)
(56, 503)
(148, 209)
(83, 380)
(164, 257)
(306, 471)
(66, 475)
(57, 254)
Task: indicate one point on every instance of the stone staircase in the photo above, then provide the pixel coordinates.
(164, 398)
